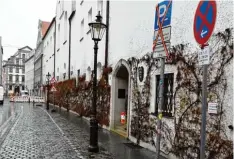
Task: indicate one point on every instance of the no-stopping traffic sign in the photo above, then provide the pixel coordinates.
(204, 21)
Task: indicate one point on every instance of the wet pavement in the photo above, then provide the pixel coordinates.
(111, 142)
(32, 132)
(8, 116)
(5, 112)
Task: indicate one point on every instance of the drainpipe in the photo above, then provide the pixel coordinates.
(41, 73)
(54, 43)
(69, 53)
(107, 35)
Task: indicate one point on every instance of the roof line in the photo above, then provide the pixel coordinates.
(53, 20)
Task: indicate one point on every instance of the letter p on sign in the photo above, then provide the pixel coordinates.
(162, 10)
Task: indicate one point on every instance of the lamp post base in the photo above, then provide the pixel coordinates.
(93, 146)
(53, 110)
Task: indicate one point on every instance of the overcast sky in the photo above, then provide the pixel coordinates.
(19, 22)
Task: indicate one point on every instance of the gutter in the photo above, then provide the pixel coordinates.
(107, 36)
(54, 44)
(69, 52)
(41, 69)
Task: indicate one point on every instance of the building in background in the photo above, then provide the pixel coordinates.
(15, 70)
(38, 57)
(29, 72)
(48, 51)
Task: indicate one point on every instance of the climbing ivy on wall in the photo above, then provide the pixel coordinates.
(184, 139)
(79, 98)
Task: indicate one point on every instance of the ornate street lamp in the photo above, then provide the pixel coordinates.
(48, 90)
(97, 31)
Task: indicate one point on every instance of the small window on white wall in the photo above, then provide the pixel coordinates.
(99, 70)
(65, 26)
(64, 65)
(82, 29)
(88, 74)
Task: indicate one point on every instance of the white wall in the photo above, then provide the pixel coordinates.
(62, 38)
(29, 74)
(82, 53)
(48, 53)
(131, 30)
(131, 34)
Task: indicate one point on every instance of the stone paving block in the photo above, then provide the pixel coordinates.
(36, 136)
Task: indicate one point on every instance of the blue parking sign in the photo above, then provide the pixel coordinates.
(162, 10)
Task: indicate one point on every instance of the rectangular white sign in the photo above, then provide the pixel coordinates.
(204, 56)
(212, 108)
(166, 35)
(160, 51)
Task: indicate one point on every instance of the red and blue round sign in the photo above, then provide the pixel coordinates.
(204, 21)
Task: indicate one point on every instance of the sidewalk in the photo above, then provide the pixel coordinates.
(109, 141)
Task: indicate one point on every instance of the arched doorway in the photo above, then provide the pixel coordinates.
(120, 98)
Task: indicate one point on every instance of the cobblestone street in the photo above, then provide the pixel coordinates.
(33, 132)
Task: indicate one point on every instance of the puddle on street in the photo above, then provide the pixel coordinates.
(6, 111)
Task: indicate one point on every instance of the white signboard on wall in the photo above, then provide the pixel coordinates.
(204, 56)
(213, 108)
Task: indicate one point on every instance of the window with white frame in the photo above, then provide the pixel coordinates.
(11, 69)
(10, 78)
(65, 26)
(17, 61)
(17, 70)
(16, 78)
(82, 29)
(167, 108)
(64, 65)
(100, 6)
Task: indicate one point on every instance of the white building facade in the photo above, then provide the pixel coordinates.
(63, 11)
(29, 72)
(15, 70)
(48, 51)
(131, 29)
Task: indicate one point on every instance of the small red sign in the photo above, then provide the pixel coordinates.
(53, 89)
(53, 80)
(204, 21)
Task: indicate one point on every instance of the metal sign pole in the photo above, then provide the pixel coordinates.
(161, 83)
(204, 106)
(161, 100)
(53, 99)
